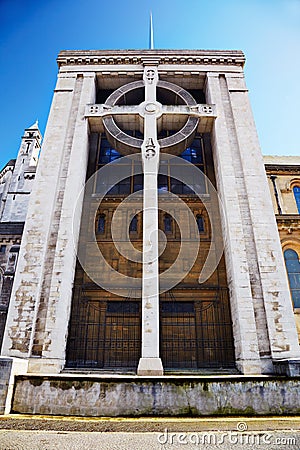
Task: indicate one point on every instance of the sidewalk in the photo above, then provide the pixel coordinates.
(160, 433)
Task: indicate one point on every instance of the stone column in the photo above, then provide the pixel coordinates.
(22, 313)
(150, 362)
(38, 318)
(275, 292)
(242, 311)
(60, 290)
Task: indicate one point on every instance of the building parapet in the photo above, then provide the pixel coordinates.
(91, 57)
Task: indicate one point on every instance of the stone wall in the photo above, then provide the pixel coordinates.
(171, 396)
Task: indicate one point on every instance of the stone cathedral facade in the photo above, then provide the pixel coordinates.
(143, 242)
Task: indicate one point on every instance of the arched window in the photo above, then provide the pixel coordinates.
(293, 269)
(101, 224)
(133, 225)
(168, 223)
(200, 223)
(296, 190)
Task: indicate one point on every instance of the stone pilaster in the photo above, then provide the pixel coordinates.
(73, 179)
(244, 326)
(271, 271)
(25, 298)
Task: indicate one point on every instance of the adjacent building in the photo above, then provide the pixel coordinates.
(16, 182)
(284, 182)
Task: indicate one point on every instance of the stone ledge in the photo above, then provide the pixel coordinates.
(79, 374)
(156, 396)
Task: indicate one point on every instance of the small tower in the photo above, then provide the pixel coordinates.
(21, 182)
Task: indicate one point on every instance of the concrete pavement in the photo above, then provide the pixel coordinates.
(19, 432)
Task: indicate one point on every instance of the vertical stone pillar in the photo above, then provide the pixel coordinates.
(271, 269)
(242, 311)
(40, 303)
(25, 295)
(55, 330)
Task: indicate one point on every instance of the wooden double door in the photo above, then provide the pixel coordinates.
(106, 334)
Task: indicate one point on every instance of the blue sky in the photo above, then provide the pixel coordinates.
(268, 31)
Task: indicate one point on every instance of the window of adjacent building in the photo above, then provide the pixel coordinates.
(296, 190)
(12, 259)
(293, 269)
(2, 248)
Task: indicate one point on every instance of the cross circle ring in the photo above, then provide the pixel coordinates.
(127, 144)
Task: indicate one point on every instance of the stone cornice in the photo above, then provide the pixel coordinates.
(276, 168)
(115, 57)
(10, 239)
(289, 222)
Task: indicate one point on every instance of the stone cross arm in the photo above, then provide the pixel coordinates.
(174, 115)
(155, 108)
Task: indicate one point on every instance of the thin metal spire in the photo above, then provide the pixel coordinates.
(151, 37)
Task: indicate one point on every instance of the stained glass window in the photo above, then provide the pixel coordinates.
(293, 269)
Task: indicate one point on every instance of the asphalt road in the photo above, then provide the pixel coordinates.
(71, 440)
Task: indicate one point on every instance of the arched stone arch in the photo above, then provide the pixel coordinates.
(295, 189)
(294, 182)
(291, 244)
